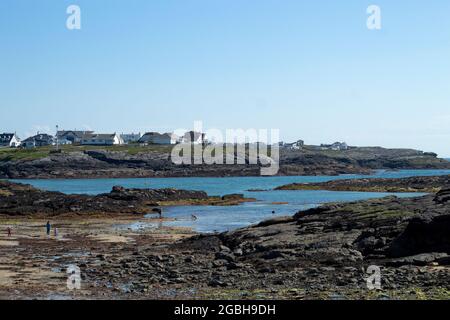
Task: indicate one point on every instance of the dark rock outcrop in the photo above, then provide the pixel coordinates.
(423, 234)
(340, 235)
(443, 196)
(20, 199)
(412, 184)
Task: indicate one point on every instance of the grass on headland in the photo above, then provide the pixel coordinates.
(9, 154)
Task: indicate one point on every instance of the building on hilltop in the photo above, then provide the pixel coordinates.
(158, 138)
(10, 140)
(297, 145)
(73, 136)
(130, 137)
(337, 146)
(39, 140)
(101, 139)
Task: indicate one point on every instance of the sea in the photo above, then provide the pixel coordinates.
(268, 204)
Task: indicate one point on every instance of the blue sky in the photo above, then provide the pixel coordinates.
(310, 68)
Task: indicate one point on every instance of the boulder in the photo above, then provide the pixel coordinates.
(423, 234)
(443, 197)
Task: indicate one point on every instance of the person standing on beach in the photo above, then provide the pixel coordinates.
(48, 226)
(9, 231)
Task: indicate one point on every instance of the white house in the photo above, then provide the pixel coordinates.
(337, 146)
(39, 140)
(158, 138)
(71, 135)
(10, 140)
(297, 145)
(130, 137)
(194, 137)
(101, 139)
(64, 141)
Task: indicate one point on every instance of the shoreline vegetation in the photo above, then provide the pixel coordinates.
(320, 253)
(431, 184)
(134, 161)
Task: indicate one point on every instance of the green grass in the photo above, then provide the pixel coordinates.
(8, 154)
(22, 154)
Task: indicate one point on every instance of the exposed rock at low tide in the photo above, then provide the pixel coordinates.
(412, 184)
(388, 231)
(21, 199)
(320, 253)
(323, 251)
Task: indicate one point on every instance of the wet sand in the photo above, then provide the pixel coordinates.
(34, 265)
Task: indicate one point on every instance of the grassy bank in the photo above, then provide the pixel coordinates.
(8, 154)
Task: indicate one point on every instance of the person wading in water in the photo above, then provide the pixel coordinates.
(48, 226)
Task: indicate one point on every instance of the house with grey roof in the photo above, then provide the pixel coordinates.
(10, 140)
(39, 140)
(159, 138)
(297, 145)
(337, 146)
(130, 137)
(74, 136)
(101, 139)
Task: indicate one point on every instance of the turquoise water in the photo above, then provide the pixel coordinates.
(218, 219)
(214, 218)
(213, 186)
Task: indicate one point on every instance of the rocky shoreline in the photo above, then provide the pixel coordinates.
(105, 163)
(320, 253)
(413, 184)
(25, 200)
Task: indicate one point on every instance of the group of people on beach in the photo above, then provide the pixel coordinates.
(48, 228)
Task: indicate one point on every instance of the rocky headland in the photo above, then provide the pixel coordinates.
(412, 184)
(127, 162)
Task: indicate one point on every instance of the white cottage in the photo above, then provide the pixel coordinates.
(73, 136)
(10, 140)
(130, 137)
(297, 145)
(101, 139)
(158, 138)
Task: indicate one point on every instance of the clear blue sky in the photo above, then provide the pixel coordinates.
(310, 68)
